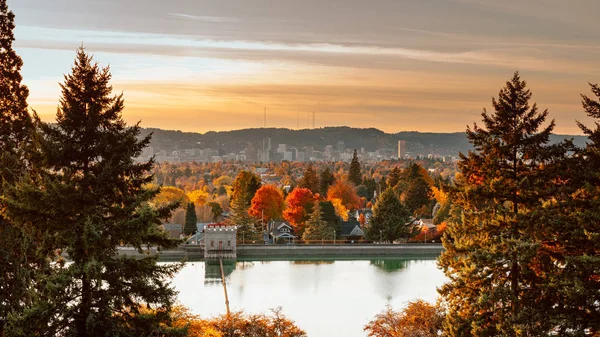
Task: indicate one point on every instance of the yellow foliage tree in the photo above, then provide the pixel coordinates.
(198, 197)
(340, 209)
(170, 194)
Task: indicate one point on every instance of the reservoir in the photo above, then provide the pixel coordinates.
(325, 297)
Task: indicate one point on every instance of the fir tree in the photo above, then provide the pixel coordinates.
(394, 177)
(93, 198)
(316, 228)
(355, 175)
(21, 249)
(390, 220)
(417, 195)
(216, 210)
(327, 179)
(310, 180)
(244, 187)
(493, 259)
(190, 219)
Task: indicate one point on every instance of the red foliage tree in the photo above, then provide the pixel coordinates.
(267, 203)
(297, 204)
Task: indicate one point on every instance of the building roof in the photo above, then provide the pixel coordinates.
(351, 228)
(281, 229)
(173, 226)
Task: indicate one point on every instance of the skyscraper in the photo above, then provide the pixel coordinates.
(401, 149)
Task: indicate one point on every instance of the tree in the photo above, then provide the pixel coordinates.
(310, 180)
(267, 204)
(330, 217)
(190, 219)
(169, 195)
(216, 210)
(242, 219)
(417, 195)
(244, 187)
(390, 220)
(296, 207)
(346, 193)
(394, 177)
(21, 251)
(198, 197)
(354, 175)
(493, 260)
(327, 179)
(93, 198)
(316, 228)
(362, 191)
(418, 319)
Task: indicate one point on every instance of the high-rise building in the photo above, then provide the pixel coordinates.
(341, 147)
(401, 149)
(282, 148)
(309, 153)
(266, 144)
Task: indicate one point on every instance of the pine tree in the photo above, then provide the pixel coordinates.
(326, 179)
(20, 255)
(390, 220)
(244, 187)
(355, 175)
(394, 177)
(310, 180)
(493, 259)
(190, 220)
(316, 228)
(417, 195)
(93, 198)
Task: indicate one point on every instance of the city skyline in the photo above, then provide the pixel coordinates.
(428, 66)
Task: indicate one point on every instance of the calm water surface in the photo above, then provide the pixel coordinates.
(325, 298)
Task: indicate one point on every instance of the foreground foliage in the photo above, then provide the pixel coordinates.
(418, 319)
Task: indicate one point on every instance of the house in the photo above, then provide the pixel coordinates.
(220, 242)
(351, 230)
(367, 212)
(174, 230)
(280, 230)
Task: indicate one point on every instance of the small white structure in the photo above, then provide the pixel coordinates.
(220, 242)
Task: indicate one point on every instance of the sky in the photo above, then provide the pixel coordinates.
(396, 65)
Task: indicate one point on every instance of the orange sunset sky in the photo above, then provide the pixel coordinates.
(426, 65)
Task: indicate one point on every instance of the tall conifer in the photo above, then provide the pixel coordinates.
(494, 287)
(310, 180)
(93, 198)
(355, 175)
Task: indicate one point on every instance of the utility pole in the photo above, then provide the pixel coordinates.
(265, 119)
(313, 119)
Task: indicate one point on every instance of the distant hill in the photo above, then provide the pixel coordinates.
(418, 143)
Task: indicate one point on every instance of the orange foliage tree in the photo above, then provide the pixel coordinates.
(267, 203)
(297, 204)
(345, 192)
(418, 319)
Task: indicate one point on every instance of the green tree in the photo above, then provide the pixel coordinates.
(390, 220)
(93, 198)
(417, 195)
(362, 191)
(216, 210)
(355, 175)
(242, 219)
(21, 246)
(310, 180)
(493, 259)
(394, 177)
(326, 179)
(316, 228)
(244, 187)
(328, 215)
(190, 219)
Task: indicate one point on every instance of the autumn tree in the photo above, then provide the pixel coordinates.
(267, 204)
(316, 228)
(310, 180)
(355, 175)
(297, 205)
(394, 177)
(216, 210)
(326, 179)
(190, 219)
(390, 220)
(418, 319)
(170, 195)
(93, 198)
(346, 193)
(496, 287)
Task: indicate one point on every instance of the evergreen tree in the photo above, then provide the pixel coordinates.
(21, 247)
(216, 210)
(190, 220)
(329, 216)
(327, 179)
(417, 195)
(394, 177)
(355, 175)
(242, 219)
(93, 198)
(390, 220)
(493, 260)
(244, 187)
(316, 228)
(310, 180)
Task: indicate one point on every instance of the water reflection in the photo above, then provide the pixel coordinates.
(212, 271)
(390, 266)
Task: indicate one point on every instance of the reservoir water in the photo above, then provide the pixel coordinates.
(326, 298)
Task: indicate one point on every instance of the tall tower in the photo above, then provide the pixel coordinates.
(265, 119)
(401, 149)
